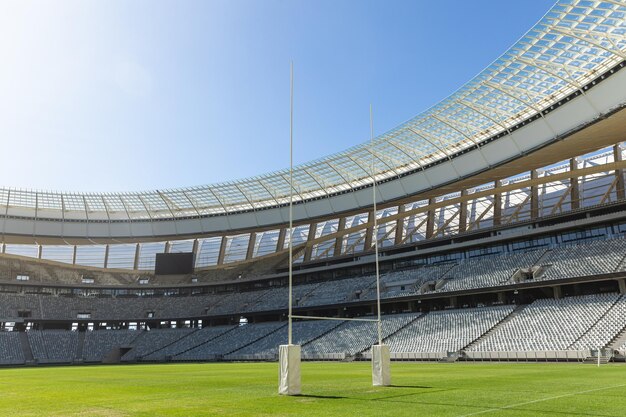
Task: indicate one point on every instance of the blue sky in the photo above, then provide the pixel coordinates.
(129, 96)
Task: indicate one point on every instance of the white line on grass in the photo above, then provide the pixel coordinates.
(491, 410)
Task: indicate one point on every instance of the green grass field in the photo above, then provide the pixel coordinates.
(329, 389)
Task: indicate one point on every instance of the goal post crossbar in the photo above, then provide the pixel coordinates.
(332, 318)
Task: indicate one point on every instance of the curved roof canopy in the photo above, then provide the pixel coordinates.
(575, 42)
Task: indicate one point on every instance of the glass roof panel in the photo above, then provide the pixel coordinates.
(574, 43)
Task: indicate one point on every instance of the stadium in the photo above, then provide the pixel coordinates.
(500, 223)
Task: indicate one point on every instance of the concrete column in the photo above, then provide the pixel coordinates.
(619, 173)
(369, 232)
(168, 247)
(136, 261)
(430, 222)
(558, 292)
(251, 244)
(196, 250)
(74, 256)
(497, 204)
(622, 285)
(106, 256)
(222, 252)
(399, 226)
(454, 301)
(575, 193)
(339, 241)
(308, 251)
(463, 213)
(534, 196)
(281, 239)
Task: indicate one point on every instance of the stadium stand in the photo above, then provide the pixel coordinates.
(549, 324)
(267, 347)
(99, 343)
(149, 341)
(352, 337)
(10, 349)
(446, 331)
(190, 341)
(238, 338)
(53, 346)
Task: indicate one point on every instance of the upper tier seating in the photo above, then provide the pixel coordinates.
(488, 271)
(338, 291)
(590, 258)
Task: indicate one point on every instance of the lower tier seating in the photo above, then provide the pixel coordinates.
(574, 324)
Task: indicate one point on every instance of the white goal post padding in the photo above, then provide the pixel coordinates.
(289, 373)
(381, 366)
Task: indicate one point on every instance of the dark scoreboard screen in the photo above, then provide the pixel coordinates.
(174, 263)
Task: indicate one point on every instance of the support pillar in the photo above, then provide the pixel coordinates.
(619, 173)
(251, 244)
(399, 226)
(136, 261)
(339, 241)
(502, 297)
(463, 213)
(289, 370)
(534, 196)
(369, 232)
(622, 285)
(381, 366)
(430, 222)
(573, 182)
(558, 292)
(106, 256)
(222, 253)
(308, 251)
(497, 204)
(196, 250)
(280, 243)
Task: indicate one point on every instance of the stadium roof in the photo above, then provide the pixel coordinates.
(574, 43)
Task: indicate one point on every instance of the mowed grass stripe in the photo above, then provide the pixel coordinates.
(330, 389)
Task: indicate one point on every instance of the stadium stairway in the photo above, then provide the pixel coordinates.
(621, 266)
(160, 348)
(306, 296)
(192, 347)
(385, 337)
(26, 349)
(339, 323)
(544, 255)
(590, 328)
(255, 340)
(618, 340)
(496, 326)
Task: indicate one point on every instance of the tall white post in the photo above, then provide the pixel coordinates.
(381, 360)
(289, 354)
